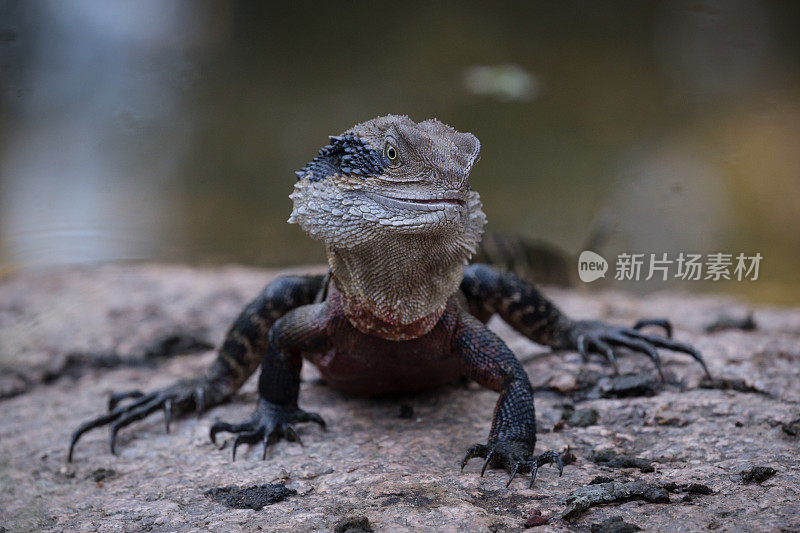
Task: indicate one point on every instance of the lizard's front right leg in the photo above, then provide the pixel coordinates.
(302, 330)
(487, 360)
(237, 359)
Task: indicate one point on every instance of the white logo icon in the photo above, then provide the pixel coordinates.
(591, 266)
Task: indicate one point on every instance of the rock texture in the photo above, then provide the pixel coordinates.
(679, 456)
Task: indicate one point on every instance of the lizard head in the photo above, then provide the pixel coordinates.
(390, 175)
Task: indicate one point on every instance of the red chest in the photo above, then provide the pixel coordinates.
(357, 363)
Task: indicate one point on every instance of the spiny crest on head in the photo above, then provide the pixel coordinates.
(346, 155)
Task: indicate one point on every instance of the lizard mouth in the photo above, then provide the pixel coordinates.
(419, 204)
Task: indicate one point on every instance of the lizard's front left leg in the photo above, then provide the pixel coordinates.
(302, 330)
(487, 360)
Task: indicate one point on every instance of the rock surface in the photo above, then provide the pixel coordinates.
(70, 337)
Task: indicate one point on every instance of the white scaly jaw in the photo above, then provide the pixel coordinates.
(347, 218)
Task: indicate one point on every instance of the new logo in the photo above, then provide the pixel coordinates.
(591, 266)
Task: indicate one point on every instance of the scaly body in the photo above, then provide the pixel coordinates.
(400, 310)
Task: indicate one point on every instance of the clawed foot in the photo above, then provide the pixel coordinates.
(179, 398)
(268, 424)
(513, 458)
(592, 336)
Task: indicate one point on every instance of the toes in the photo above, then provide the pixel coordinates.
(305, 416)
(677, 347)
(200, 400)
(513, 474)
(167, 414)
(117, 413)
(640, 346)
(173, 399)
(583, 348)
(291, 434)
(88, 426)
(464, 461)
(550, 457)
(268, 424)
(534, 471)
(514, 463)
(265, 444)
(129, 417)
(477, 450)
(606, 350)
(230, 428)
(117, 397)
(247, 438)
(594, 342)
(659, 322)
(486, 462)
(685, 348)
(599, 337)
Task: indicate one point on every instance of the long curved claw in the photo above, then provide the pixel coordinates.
(605, 348)
(200, 400)
(305, 416)
(129, 417)
(583, 348)
(467, 457)
(219, 426)
(486, 462)
(641, 346)
(586, 344)
(548, 457)
(675, 346)
(269, 439)
(476, 450)
(246, 438)
(291, 434)
(167, 414)
(659, 322)
(87, 426)
(534, 471)
(117, 397)
(513, 474)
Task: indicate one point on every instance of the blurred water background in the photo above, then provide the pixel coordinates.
(169, 131)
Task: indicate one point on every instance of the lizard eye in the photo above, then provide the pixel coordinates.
(391, 154)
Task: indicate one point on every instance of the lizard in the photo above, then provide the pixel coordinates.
(400, 310)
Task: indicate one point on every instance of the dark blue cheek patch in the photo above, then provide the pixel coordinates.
(347, 155)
